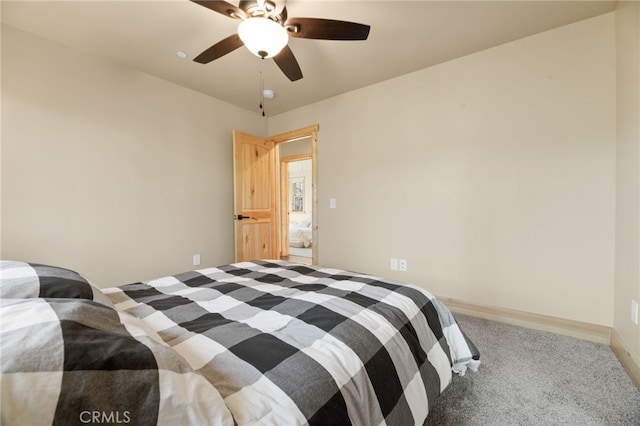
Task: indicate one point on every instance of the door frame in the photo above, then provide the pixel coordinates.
(305, 132)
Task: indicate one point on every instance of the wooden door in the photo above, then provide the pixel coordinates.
(254, 172)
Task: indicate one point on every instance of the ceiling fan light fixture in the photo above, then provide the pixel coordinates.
(262, 36)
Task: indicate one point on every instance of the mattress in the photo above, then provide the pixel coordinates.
(263, 342)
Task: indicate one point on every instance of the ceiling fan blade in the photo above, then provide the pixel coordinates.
(326, 29)
(222, 7)
(288, 64)
(219, 49)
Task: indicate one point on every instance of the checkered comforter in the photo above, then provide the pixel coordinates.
(248, 343)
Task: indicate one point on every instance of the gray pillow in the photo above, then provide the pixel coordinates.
(21, 280)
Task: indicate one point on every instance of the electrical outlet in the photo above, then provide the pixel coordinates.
(196, 259)
(634, 312)
(402, 264)
(394, 264)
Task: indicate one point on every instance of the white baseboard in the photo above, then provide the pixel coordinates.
(628, 362)
(580, 330)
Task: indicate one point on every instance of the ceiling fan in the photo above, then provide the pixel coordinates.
(265, 29)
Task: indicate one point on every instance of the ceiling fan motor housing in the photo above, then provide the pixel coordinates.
(275, 11)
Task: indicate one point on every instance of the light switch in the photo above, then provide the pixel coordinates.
(332, 203)
(394, 264)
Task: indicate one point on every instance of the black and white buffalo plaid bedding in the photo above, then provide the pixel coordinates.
(262, 342)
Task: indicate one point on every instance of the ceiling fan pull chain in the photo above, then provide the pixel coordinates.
(262, 87)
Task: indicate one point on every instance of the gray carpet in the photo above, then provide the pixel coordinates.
(300, 251)
(530, 377)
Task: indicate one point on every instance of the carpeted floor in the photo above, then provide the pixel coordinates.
(300, 251)
(530, 377)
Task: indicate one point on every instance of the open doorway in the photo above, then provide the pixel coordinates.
(261, 224)
(297, 201)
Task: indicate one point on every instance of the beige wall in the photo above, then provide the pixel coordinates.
(109, 171)
(627, 267)
(493, 175)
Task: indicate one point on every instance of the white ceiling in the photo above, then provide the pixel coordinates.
(405, 36)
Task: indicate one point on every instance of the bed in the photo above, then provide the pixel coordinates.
(300, 234)
(263, 342)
